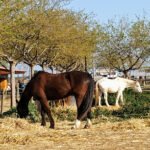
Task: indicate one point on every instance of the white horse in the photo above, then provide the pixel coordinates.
(116, 85)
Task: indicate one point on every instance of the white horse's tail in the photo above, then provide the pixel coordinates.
(97, 93)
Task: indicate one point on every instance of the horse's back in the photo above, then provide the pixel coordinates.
(107, 81)
(109, 85)
(57, 86)
(78, 77)
(61, 78)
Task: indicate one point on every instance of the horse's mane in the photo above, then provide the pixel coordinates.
(112, 78)
(125, 79)
(37, 73)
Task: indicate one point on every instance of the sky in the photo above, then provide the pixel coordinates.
(105, 10)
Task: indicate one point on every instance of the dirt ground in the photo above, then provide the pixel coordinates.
(18, 134)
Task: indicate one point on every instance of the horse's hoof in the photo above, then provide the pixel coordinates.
(72, 128)
(52, 126)
(43, 124)
(87, 126)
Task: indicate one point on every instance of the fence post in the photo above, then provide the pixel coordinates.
(2, 99)
(17, 91)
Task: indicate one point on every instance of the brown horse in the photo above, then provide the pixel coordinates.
(45, 86)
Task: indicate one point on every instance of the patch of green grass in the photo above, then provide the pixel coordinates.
(33, 113)
(10, 113)
(137, 105)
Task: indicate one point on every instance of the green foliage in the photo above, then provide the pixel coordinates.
(64, 114)
(99, 112)
(33, 112)
(10, 113)
(124, 45)
(46, 34)
(137, 105)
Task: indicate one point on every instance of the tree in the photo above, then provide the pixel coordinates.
(124, 46)
(41, 32)
(64, 47)
(10, 14)
(78, 40)
(15, 41)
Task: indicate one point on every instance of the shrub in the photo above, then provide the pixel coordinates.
(136, 105)
(64, 114)
(33, 112)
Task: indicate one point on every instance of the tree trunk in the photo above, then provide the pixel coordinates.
(31, 71)
(126, 75)
(2, 100)
(85, 59)
(43, 67)
(12, 83)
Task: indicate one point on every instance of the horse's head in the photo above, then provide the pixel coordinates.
(22, 110)
(137, 87)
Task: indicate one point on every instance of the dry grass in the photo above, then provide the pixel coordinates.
(20, 134)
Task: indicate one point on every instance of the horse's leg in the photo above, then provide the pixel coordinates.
(100, 98)
(84, 99)
(122, 98)
(77, 122)
(46, 108)
(117, 98)
(42, 112)
(106, 98)
(88, 123)
(43, 123)
(78, 103)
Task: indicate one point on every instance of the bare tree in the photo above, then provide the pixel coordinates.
(124, 46)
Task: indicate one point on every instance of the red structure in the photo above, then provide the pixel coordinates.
(4, 83)
(4, 76)
(4, 71)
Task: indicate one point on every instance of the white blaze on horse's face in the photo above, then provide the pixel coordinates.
(138, 87)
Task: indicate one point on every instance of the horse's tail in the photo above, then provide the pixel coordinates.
(87, 101)
(96, 93)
